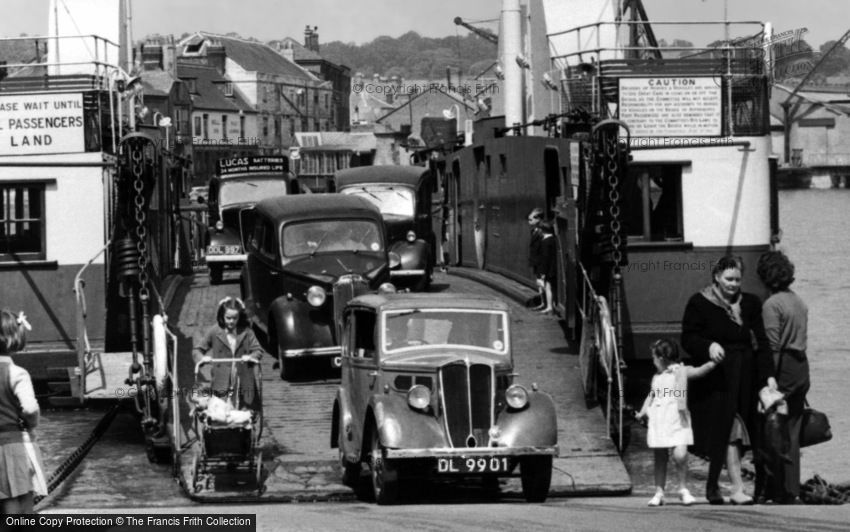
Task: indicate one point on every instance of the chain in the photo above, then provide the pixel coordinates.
(611, 167)
(136, 156)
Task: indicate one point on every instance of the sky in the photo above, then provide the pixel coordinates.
(361, 21)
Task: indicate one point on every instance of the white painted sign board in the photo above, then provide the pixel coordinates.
(671, 107)
(41, 123)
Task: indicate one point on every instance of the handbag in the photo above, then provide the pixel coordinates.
(814, 428)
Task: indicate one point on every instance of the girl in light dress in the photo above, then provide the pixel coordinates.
(21, 470)
(669, 426)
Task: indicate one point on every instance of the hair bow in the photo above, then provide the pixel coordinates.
(22, 321)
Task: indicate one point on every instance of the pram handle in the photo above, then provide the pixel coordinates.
(220, 361)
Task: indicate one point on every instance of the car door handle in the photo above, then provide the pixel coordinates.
(274, 273)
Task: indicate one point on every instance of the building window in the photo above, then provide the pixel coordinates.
(265, 127)
(228, 88)
(277, 127)
(224, 127)
(326, 101)
(653, 207)
(22, 221)
(206, 126)
(197, 127)
(241, 127)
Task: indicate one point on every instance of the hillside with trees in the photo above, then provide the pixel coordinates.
(413, 56)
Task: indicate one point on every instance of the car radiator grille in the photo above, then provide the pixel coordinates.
(467, 395)
(347, 288)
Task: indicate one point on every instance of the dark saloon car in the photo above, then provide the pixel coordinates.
(428, 391)
(307, 255)
(403, 194)
(239, 184)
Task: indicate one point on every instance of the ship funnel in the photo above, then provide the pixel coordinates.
(510, 47)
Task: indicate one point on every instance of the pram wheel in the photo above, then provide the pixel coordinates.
(258, 465)
(196, 466)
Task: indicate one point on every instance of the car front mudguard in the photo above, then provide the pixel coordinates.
(297, 325)
(402, 427)
(536, 425)
(414, 255)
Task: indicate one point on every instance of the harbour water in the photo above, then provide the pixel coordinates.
(816, 236)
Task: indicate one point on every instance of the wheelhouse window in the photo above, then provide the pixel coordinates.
(466, 329)
(396, 201)
(327, 236)
(22, 221)
(653, 203)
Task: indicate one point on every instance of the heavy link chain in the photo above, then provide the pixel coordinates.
(137, 161)
(611, 167)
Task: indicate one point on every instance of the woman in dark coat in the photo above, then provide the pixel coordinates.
(723, 324)
(785, 318)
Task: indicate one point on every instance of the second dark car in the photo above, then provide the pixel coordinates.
(307, 256)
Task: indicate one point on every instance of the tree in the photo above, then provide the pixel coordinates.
(838, 62)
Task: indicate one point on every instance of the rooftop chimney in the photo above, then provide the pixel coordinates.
(311, 38)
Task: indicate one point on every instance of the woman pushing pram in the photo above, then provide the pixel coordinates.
(228, 398)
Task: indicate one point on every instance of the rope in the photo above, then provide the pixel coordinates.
(76, 457)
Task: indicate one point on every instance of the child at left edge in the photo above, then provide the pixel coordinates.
(669, 426)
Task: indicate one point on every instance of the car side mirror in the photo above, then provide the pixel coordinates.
(395, 260)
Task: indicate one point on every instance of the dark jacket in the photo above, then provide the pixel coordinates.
(214, 344)
(732, 387)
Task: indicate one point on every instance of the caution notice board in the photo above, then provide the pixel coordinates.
(671, 106)
(41, 123)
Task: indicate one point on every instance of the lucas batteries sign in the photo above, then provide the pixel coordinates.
(677, 107)
(41, 123)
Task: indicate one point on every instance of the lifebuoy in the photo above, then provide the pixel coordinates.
(160, 352)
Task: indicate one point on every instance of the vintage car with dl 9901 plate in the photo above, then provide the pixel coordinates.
(403, 195)
(240, 182)
(428, 391)
(307, 255)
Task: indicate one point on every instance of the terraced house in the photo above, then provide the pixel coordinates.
(285, 97)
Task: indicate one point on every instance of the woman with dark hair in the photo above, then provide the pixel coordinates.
(723, 324)
(785, 318)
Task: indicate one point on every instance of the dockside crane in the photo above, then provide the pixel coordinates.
(481, 32)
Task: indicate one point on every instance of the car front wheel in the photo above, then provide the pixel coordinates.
(536, 475)
(383, 472)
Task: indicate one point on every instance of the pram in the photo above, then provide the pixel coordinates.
(228, 421)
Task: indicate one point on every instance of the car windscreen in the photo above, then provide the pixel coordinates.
(390, 199)
(484, 330)
(249, 190)
(328, 236)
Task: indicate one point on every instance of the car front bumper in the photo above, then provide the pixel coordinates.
(406, 273)
(312, 351)
(227, 258)
(465, 452)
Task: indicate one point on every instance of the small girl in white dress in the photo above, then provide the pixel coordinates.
(669, 420)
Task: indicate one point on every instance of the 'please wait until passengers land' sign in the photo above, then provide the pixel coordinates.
(671, 106)
(41, 123)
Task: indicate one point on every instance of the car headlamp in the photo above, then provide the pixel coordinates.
(419, 397)
(219, 226)
(411, 237)
(387, 288)
(516, 396)
(316, 296)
